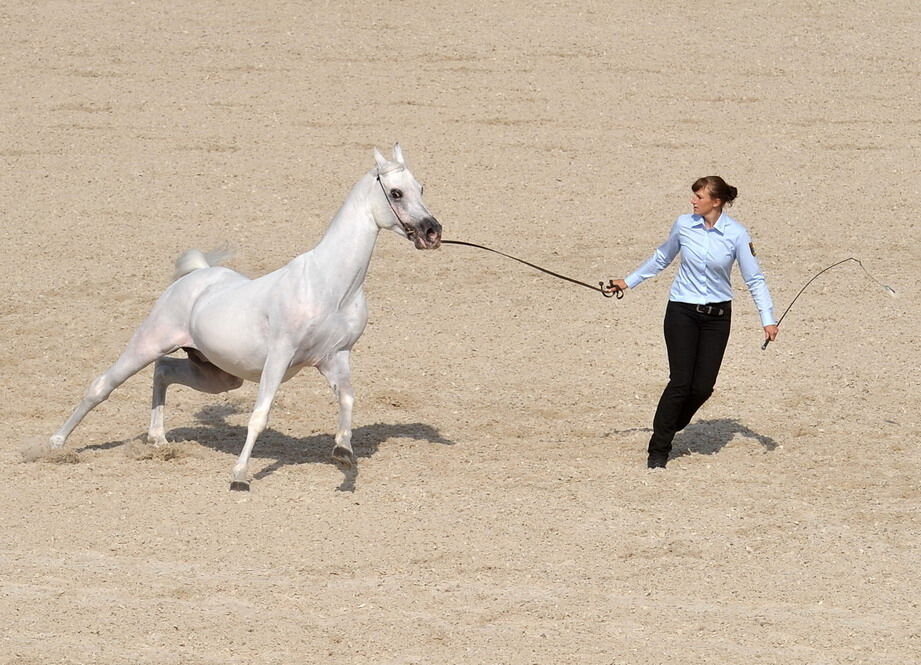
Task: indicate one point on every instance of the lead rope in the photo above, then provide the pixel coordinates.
(609, 290)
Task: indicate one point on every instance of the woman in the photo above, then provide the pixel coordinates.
(700, 305)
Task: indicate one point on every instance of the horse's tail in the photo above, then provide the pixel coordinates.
(195, 259)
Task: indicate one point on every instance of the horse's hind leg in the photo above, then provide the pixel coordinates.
(194, 372)
(142, 350)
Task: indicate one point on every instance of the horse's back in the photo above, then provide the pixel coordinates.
(188, 290)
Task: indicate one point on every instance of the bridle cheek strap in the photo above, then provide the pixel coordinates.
(408, 231)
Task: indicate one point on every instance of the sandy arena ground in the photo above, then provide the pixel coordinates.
(502, 513)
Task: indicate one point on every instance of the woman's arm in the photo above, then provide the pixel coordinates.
(659, 261)
(757, 286)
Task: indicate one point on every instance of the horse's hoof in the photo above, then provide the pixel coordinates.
(56, 441)
(157, 440)
(344, 456)
(239, 486)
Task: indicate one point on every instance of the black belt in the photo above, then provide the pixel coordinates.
(710, 309)
(713, 310)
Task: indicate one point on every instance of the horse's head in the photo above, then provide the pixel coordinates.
(402, 210)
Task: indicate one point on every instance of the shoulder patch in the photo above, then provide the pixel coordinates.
(751, 246)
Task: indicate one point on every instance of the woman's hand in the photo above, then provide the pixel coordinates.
(770, 333)
(614, 287)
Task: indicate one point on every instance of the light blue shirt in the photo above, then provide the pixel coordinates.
(707, 256)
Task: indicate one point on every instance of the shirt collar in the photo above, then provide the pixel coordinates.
(720, 225)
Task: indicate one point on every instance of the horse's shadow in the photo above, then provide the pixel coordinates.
(216, 433)
(708, 437)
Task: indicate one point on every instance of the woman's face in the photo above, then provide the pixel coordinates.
(703, 203)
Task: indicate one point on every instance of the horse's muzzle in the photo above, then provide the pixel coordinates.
(427, 234)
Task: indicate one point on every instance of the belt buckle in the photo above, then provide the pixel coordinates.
(710, 310)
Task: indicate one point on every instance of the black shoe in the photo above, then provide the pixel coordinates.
(656, 461)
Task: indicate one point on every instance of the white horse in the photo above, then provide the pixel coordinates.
(308, 313)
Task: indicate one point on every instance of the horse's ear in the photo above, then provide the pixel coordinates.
(379, 158)
(398, 154)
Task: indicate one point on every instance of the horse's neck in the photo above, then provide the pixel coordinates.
(344, 252)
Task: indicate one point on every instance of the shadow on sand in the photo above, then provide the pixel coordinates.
(707, 437)
(216, 433)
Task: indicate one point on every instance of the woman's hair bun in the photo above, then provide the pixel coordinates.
(717, 187)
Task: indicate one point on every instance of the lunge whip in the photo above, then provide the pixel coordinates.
(888, 289)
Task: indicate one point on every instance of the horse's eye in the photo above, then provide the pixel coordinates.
(421, 189)
(396, 194)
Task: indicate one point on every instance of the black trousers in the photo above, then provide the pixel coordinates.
(695, 341)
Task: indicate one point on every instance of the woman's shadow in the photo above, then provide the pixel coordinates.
(708, 437)
(216, 433)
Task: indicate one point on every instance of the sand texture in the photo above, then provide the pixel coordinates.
(502, 513)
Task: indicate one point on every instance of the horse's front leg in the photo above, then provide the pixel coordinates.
(272, 375)
(337, 372)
